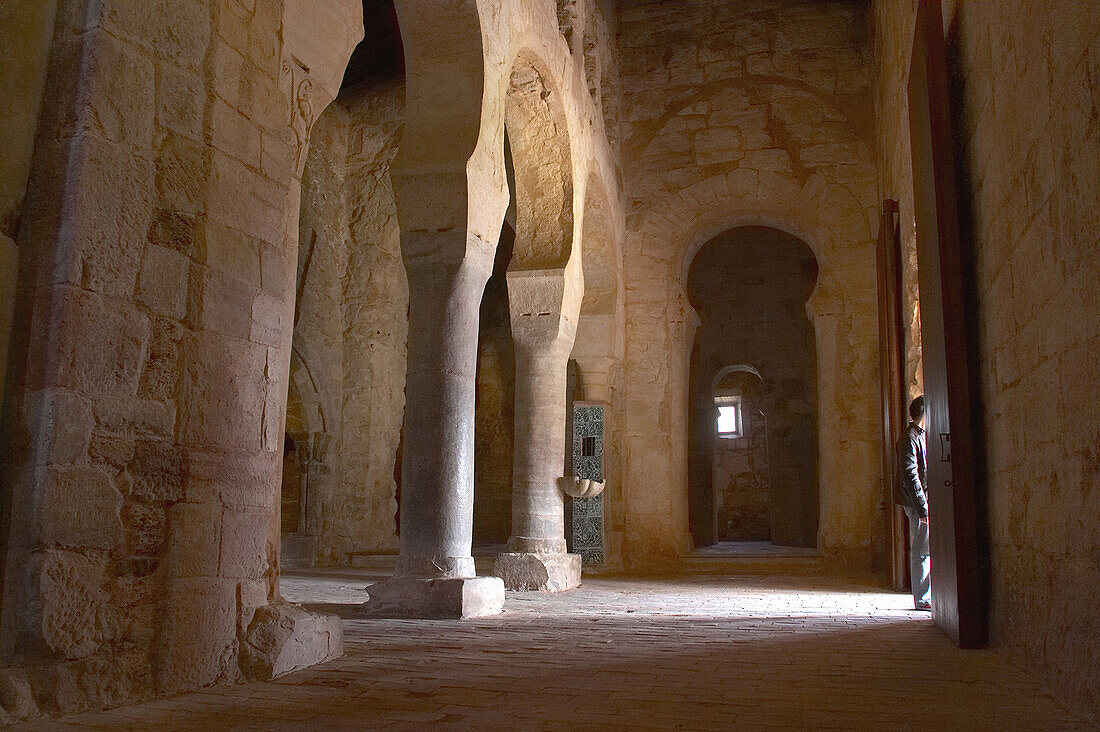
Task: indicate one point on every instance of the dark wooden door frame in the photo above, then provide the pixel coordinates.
(958, 550)
(892, 378)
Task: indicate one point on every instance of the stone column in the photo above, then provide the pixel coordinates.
(435, 569)
(543, 340)
(450, 190)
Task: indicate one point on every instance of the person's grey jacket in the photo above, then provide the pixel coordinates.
(912, 468)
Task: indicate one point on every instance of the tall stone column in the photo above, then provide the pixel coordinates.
(435, 570)
(451, 194)
(543, 340)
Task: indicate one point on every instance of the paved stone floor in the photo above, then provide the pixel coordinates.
(619, 653)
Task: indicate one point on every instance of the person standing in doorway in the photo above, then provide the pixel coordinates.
(911, 494)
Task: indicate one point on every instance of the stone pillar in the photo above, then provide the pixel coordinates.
(543, 341)
(435, 569)
(449, 188)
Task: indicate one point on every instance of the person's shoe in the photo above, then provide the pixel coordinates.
(924, 606)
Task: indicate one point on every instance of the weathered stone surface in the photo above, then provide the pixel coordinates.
(284, 637)
(351, 325)
(65, 425)
(9, 265)
(540, 572)
(411, 597)
(194, 531)
(16, 695)
(79, 508)
(140, 323)
(162, 282)
(157, 471)
(77, 616)
(197, 640)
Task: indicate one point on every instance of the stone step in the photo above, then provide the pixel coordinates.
(752, 564)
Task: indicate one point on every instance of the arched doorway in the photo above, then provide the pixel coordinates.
(749, 286)
(297, 545)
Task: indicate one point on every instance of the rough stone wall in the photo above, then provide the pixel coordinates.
(353, 322)
(375, 327)
(1026, 78)
(317, 357)
(740, 475)
(748, 113)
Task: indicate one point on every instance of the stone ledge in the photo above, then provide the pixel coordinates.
(539, 572)
(284, 637)
(414, 597)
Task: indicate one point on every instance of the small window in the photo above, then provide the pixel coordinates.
(729, 416)
(588, 447)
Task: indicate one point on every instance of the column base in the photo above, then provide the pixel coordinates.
(416, 597)
(538, 572)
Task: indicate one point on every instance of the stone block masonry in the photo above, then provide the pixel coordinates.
(748, 113)
(1025, 114)
(149, 376)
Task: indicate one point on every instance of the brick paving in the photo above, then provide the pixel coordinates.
(701, 652)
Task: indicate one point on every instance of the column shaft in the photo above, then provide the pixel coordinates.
(437, 468)
(537, 506)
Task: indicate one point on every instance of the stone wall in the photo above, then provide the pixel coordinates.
(314, 411)
(739, 468)
(1025, 80)
(754, 113)
(26, 32)
(375, 324)
(352, 321)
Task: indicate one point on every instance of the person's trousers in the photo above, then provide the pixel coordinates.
(919, 564)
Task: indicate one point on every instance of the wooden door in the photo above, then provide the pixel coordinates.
(894, 415)
(958, 553)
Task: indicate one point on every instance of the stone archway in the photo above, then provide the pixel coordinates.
(544, 294)
(659, 247)
(749, 286)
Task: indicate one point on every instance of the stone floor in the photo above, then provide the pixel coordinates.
(698, 652)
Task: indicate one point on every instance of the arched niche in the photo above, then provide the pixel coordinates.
(749, 286)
